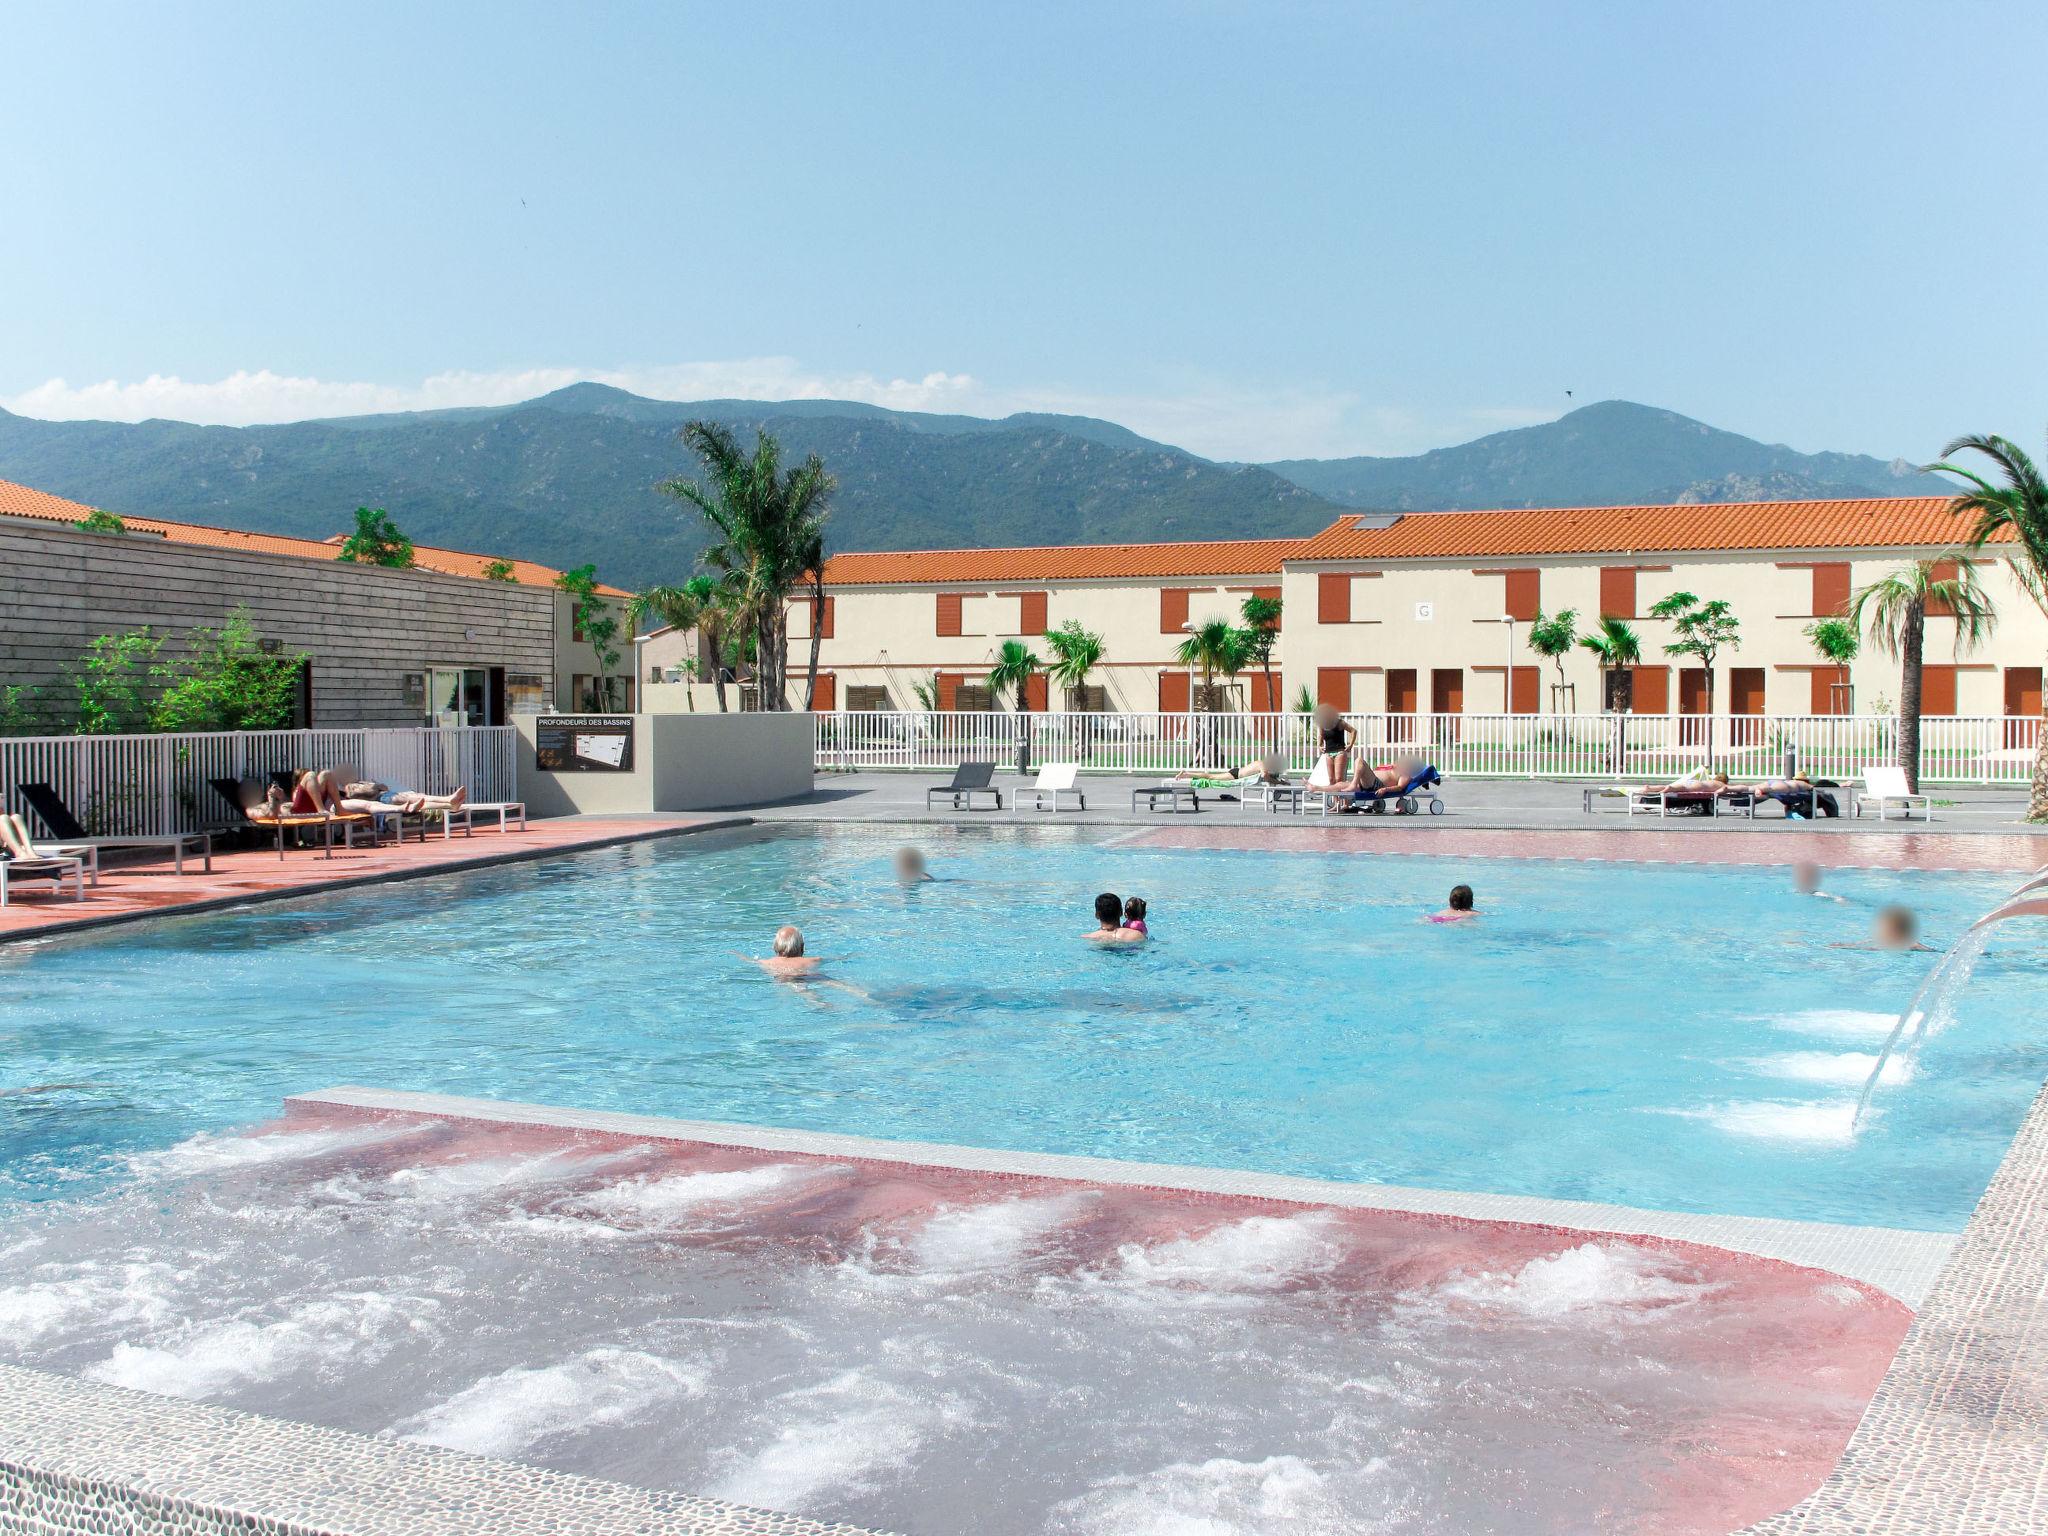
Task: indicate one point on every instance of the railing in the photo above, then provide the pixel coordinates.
(158, 783)
(1987, 749)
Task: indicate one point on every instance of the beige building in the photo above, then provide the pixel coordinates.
(1431, 612)
(441, 643)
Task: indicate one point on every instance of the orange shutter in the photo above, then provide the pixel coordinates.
(1938, 608)
(1825, 679)
(1652, 684)
(1831, 589)
(1525, 691)
(1524, 595)
(1938, 690)
(1617, 591)
(949, 615)
(949, 690)
(826, 697)
(1173, 610)
(1333, 598)
(825, 619)
(1333, 684)
(1030, 613)
(1173, 693)
(1265, 697)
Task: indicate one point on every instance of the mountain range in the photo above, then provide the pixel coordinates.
(571, 477)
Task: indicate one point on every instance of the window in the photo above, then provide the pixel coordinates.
(1333, 598)
(1830, 590)
(1173, 610)
(1030, 613)
(973, 697)
(824, 619)
(1523, 599)
(1088, 697)
(867, 696)
(1617, 591)
(1265, 699)
(1941, 608)
(1272, 593)
(949, 613)
(1333, 687)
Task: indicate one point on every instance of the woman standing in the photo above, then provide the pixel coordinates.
(1337, 736)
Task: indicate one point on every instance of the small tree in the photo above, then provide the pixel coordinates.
(227, 682)
(926, 691)
(597, 624)
(500, 570)
(1554, 638)
(1217, 646)
(112, 683)
(1304, 701)
(1834, 641)
(1076, 652)
(700, 604)
(1262, 624)
(99, 520)
(377, 541)
(1619, 647)
(1704, 630)
(18, 715)
(1015, 665)
(1895, 608)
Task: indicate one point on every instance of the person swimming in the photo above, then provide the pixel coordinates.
(1806, 882)
(1458, 907)
(1134, 916)
(1895, 930)
(910, 867)
(1109, 922)
(789, 963)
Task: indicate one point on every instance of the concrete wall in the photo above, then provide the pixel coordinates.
(888, 636)
(364, 627)
(1772, 593)
(682, 762)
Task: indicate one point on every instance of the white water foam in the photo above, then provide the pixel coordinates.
(124, 1293)
(980, 1239)
(1279, 1496)
(1847, 1068)
(209, 1152)
(1824, 1123)
(1603, 1275)
(662, 1201)
(504, 1414)
(348, 1329)
(1259, 1253)
(472, 1178)
(846, 1435)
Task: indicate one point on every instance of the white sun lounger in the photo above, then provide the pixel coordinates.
(1054, 780)
(1886, 787)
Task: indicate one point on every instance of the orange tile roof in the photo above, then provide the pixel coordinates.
(25, 501)
(1876, 523)
(1063, 562)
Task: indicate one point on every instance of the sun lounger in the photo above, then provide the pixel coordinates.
(969, 780)
(16, 838)
(246, 796)
(1175, 792)
(15, 870)
(1662, 797)
(1886, 787)
(68, 830)
(1054, 780)
(504, 810)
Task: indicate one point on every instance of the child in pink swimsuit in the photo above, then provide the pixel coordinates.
(1134, 916)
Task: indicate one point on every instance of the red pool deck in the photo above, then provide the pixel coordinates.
(132, 888)
(1831, 850)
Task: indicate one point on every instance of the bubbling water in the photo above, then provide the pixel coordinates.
(929, 1349)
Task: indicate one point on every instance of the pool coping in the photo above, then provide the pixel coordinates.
(1901, 1263)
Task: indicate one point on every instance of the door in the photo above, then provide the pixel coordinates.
(2022, 707)
(1401, 704)
(1830, 694)
(1650, 690)
(494, 696)
(1265, 696)
(825, 697)
(1525, 691)
(1693, 707)
(1446, 702)
(1745, 706)
(1173, 693)
(1938, 690)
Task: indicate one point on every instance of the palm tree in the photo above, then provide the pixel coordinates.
(1076, 652)
(2018, 508)
(1216, 646)
(1015, 665)
(768, 527)
(1262, 626)
(1619, 647)
(1894, 608)
(699, 604)
(1553, 639)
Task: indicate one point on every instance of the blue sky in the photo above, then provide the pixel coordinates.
(1256, 230)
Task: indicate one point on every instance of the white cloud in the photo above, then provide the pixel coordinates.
(1215, 418)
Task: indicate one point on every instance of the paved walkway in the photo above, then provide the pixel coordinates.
(133, 888)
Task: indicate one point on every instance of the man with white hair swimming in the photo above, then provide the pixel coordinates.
(789, 963)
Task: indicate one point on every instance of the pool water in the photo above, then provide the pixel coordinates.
(1663, 1036)
(921, 1349)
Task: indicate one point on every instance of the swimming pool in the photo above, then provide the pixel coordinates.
(1670, 1037)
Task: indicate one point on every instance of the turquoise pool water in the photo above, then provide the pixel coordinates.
(1683, 1038)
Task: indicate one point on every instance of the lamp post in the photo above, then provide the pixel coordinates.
(1507, 671)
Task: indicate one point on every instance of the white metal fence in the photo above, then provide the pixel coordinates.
(159, 783)
(1970, 749)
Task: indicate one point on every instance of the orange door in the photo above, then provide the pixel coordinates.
(2023, 691)
(1525, 691)
(1652, 690)
(1333, 687)
(1746, 690)
(1401, 691)
(1938, 690)
(825, 698)
(1265, 696)
(1830, 691)
(1447, 690)
(1692, 705)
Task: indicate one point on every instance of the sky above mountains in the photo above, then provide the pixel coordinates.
(1259, 232)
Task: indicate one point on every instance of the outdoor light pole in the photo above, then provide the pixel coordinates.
(1507, 673)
